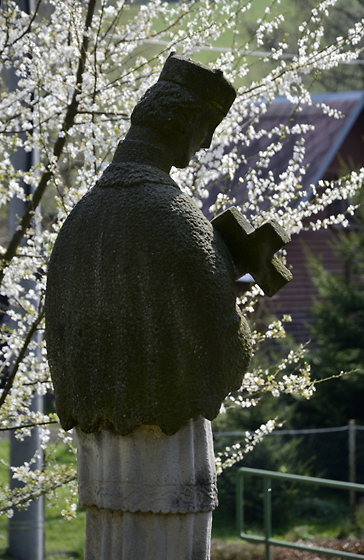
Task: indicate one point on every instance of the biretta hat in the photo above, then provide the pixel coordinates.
(209, 85)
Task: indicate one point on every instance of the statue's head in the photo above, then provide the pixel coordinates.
(185, 106)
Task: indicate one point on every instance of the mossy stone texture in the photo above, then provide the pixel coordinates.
(142, 325)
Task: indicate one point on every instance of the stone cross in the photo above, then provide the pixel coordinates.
(253, 250)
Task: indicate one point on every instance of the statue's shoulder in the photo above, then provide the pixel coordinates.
(131, 174)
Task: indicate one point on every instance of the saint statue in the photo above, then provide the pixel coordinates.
(144, 337)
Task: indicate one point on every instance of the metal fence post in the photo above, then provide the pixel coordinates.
(267, 515)
(239, 504)
(352, 467)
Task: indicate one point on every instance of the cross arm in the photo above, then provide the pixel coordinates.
(253, 250)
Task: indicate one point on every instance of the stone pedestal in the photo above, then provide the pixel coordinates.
(149, 496)
(115, 535)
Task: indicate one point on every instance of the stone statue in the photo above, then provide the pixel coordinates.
(144, 337)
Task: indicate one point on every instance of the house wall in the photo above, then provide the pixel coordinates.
(297, 297)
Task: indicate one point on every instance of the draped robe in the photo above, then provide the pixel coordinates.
(142, 326)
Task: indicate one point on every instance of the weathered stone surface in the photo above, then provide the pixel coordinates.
(115, 535)
(142, 323)
(148, 470)
(144, 337)
(253, 250)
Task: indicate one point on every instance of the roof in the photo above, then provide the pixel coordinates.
(321, 144)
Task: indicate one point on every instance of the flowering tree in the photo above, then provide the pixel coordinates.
(80, 69)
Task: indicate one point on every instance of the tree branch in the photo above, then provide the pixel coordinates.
(29, 426)
(57, 151)
(20, 357)
(34, 15)
(20, 500)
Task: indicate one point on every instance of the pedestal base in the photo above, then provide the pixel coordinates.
(149, 496)
(114, 535)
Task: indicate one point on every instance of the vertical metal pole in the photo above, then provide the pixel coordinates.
(267, 515)
(352, 468)
(240, 503)
(26, 527)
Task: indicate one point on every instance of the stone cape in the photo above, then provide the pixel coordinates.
(141, 314)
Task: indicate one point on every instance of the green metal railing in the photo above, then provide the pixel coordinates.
(267, 539)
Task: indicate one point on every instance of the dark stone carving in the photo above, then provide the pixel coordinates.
(142, 325)
(253, 250)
